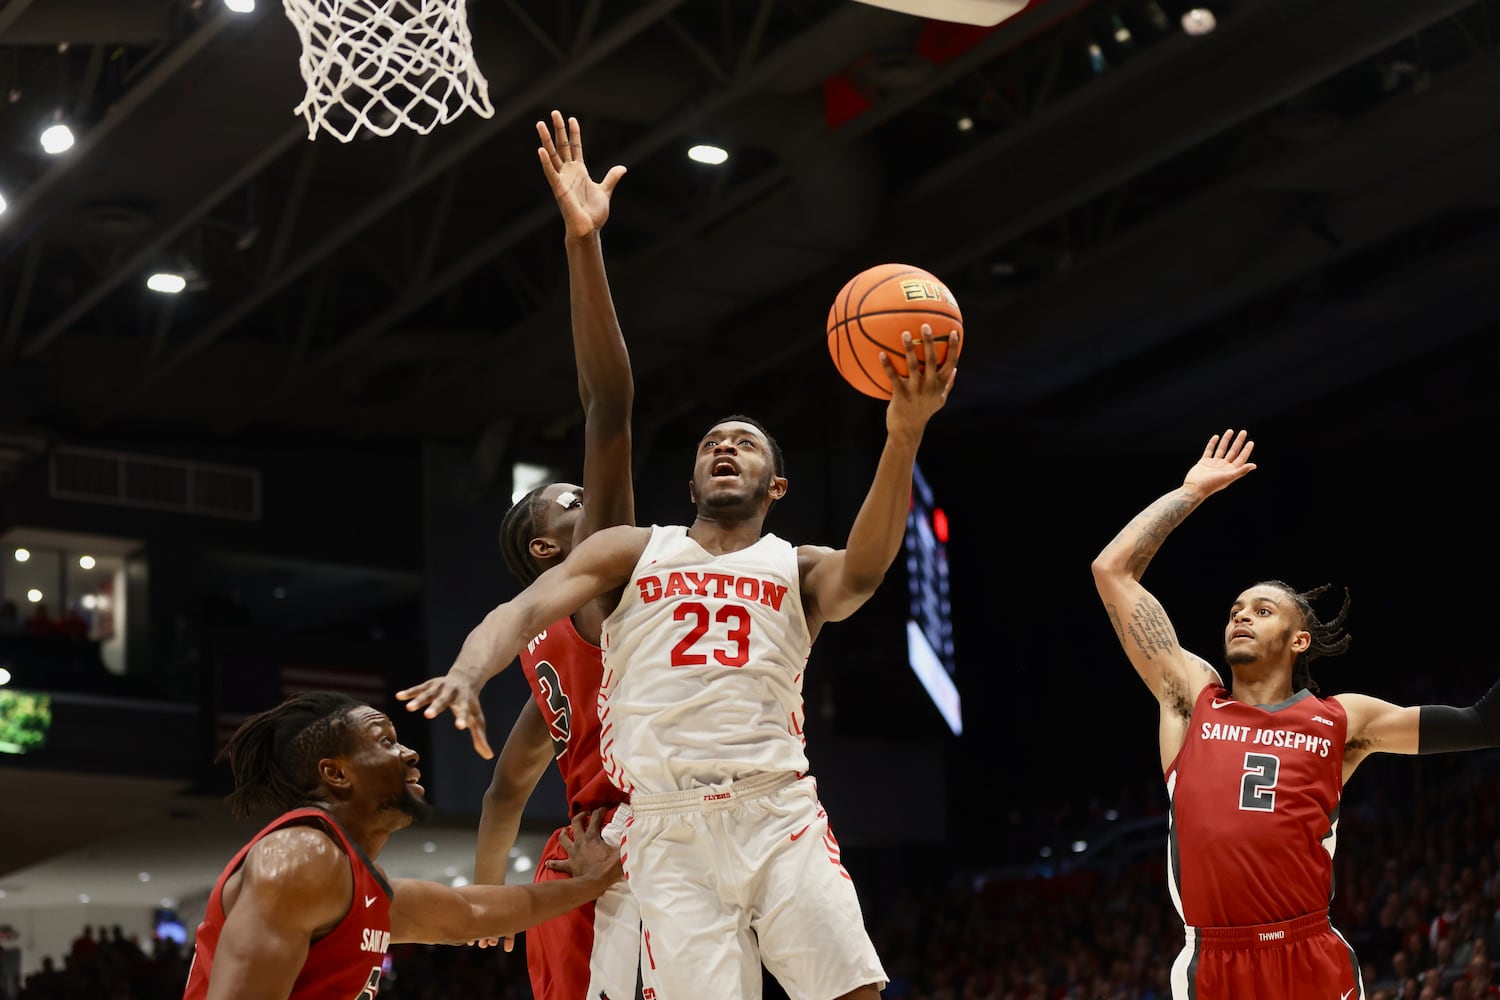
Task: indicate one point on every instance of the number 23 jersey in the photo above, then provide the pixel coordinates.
(1254, 813)
(703, 664)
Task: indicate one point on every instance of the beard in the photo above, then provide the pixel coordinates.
(745, 498)
(407, 802)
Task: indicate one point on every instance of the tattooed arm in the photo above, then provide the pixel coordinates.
(1174, 675)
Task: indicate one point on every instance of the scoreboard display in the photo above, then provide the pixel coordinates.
(929, 624)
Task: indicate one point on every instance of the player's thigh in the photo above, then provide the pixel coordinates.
(615, 961)
(808, 917)
(696, 943)
(1321, 967)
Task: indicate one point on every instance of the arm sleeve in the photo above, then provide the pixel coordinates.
(1443, 729)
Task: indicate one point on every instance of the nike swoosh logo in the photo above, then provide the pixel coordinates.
(801, 831)
(370, 901)
(1221, 704)
(1345, 995)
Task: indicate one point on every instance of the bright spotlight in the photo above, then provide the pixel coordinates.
(712, 155)
(22, 555)
(85, 562)
(166, 282)
(34, 596)
(57, 139)
(240, 6)
(1199, 21)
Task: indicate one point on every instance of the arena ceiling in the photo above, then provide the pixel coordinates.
(1293, 217)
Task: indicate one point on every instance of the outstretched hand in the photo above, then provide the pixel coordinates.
(589, 855)
(455, 694)
(584, 203)
(1226, 458)
(916, 396)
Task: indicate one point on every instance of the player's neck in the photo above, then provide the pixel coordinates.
(1261, 688)
(721, 536)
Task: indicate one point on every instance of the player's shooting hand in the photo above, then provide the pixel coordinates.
(916, 396)
(583, 202)
(1225, 459)
(452, 693)
(589, 856)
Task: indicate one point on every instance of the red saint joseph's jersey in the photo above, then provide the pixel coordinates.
(345, 963)
(564, 669)
(1254, 809)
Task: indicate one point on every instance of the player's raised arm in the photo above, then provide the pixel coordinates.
(836, 583)
(606, 386)
(1140, 623)
(600, 564)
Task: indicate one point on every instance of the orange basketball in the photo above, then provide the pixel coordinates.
(873, 309)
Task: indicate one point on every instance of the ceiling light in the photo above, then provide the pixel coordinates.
(1199, 21)
(3, 204)
(1119, 31)
(22, 555)
(57, 138)
(85, 562)
(4, 680)
(240, 6)
(523, 863)
(965, 124)
(712, 155)
(34, 596)
(143, 876)
(166, 282)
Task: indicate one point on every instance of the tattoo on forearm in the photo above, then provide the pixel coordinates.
(1153, 525)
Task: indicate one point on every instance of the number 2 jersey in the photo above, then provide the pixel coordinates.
(703, 664)
(343, 964)
(563, 669)
(1253, 822)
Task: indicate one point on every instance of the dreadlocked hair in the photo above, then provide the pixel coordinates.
(274, 755)
(517, 529)
(1328, 638)
(778, 460)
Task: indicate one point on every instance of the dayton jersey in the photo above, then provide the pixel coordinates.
(703, 662)
(343, 964)
(1254, 809)
(563, 670)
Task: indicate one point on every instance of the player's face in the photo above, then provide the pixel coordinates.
(734, 468)
(1264, 625)
(386, 768)
(563, 506)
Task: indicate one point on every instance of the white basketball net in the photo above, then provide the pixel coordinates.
(382, 65)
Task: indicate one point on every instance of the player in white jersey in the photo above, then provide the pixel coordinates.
(728, 851)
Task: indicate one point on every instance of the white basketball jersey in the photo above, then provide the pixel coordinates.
(703, 662)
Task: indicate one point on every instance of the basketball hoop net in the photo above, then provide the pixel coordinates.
(382, 65)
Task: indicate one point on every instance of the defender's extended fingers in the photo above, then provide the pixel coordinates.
(560, 135)
(575, 138)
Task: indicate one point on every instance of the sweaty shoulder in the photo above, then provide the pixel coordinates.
(304, 852)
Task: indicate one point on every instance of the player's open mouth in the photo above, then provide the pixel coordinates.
(724, 468)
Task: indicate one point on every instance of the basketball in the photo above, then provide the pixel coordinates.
(872, 310)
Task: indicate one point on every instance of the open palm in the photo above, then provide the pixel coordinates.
(583, 202)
